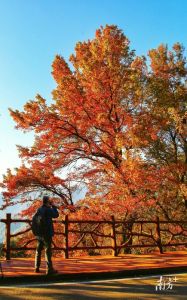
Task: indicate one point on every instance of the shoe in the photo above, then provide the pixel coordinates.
(37, 270)
(51, 272)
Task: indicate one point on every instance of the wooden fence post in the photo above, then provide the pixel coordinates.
(66, 237)
(113, 234)
(7, 242)
(159, 241)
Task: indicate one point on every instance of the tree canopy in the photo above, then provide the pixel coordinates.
(116, 127)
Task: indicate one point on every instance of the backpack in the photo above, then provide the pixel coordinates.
(38, 225)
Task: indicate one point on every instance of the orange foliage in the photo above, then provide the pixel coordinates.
(112, 129)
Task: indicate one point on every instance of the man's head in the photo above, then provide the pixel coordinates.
(46, 200)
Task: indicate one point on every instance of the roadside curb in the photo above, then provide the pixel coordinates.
(89, 276)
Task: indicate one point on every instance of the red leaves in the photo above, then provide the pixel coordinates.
(60, 69)
(113, 128)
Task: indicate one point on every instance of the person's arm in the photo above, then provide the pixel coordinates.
(52, 212)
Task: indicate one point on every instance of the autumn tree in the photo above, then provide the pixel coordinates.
(167, 89)
(105, 130)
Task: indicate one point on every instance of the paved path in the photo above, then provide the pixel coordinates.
(23, 267)
(137, 288)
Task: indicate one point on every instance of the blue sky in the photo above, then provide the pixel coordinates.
(32, 32)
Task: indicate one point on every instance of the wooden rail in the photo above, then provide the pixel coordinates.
(104, 235)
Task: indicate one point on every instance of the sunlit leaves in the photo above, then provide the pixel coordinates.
(115, 128)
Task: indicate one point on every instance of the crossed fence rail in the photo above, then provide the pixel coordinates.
(91, 235)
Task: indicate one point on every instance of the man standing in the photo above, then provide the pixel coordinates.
(48, 211)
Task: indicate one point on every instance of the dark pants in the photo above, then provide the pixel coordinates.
(41, 244)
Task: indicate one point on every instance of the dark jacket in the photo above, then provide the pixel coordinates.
(49, 213)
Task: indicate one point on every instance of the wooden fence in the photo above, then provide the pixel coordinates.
(104, 234)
